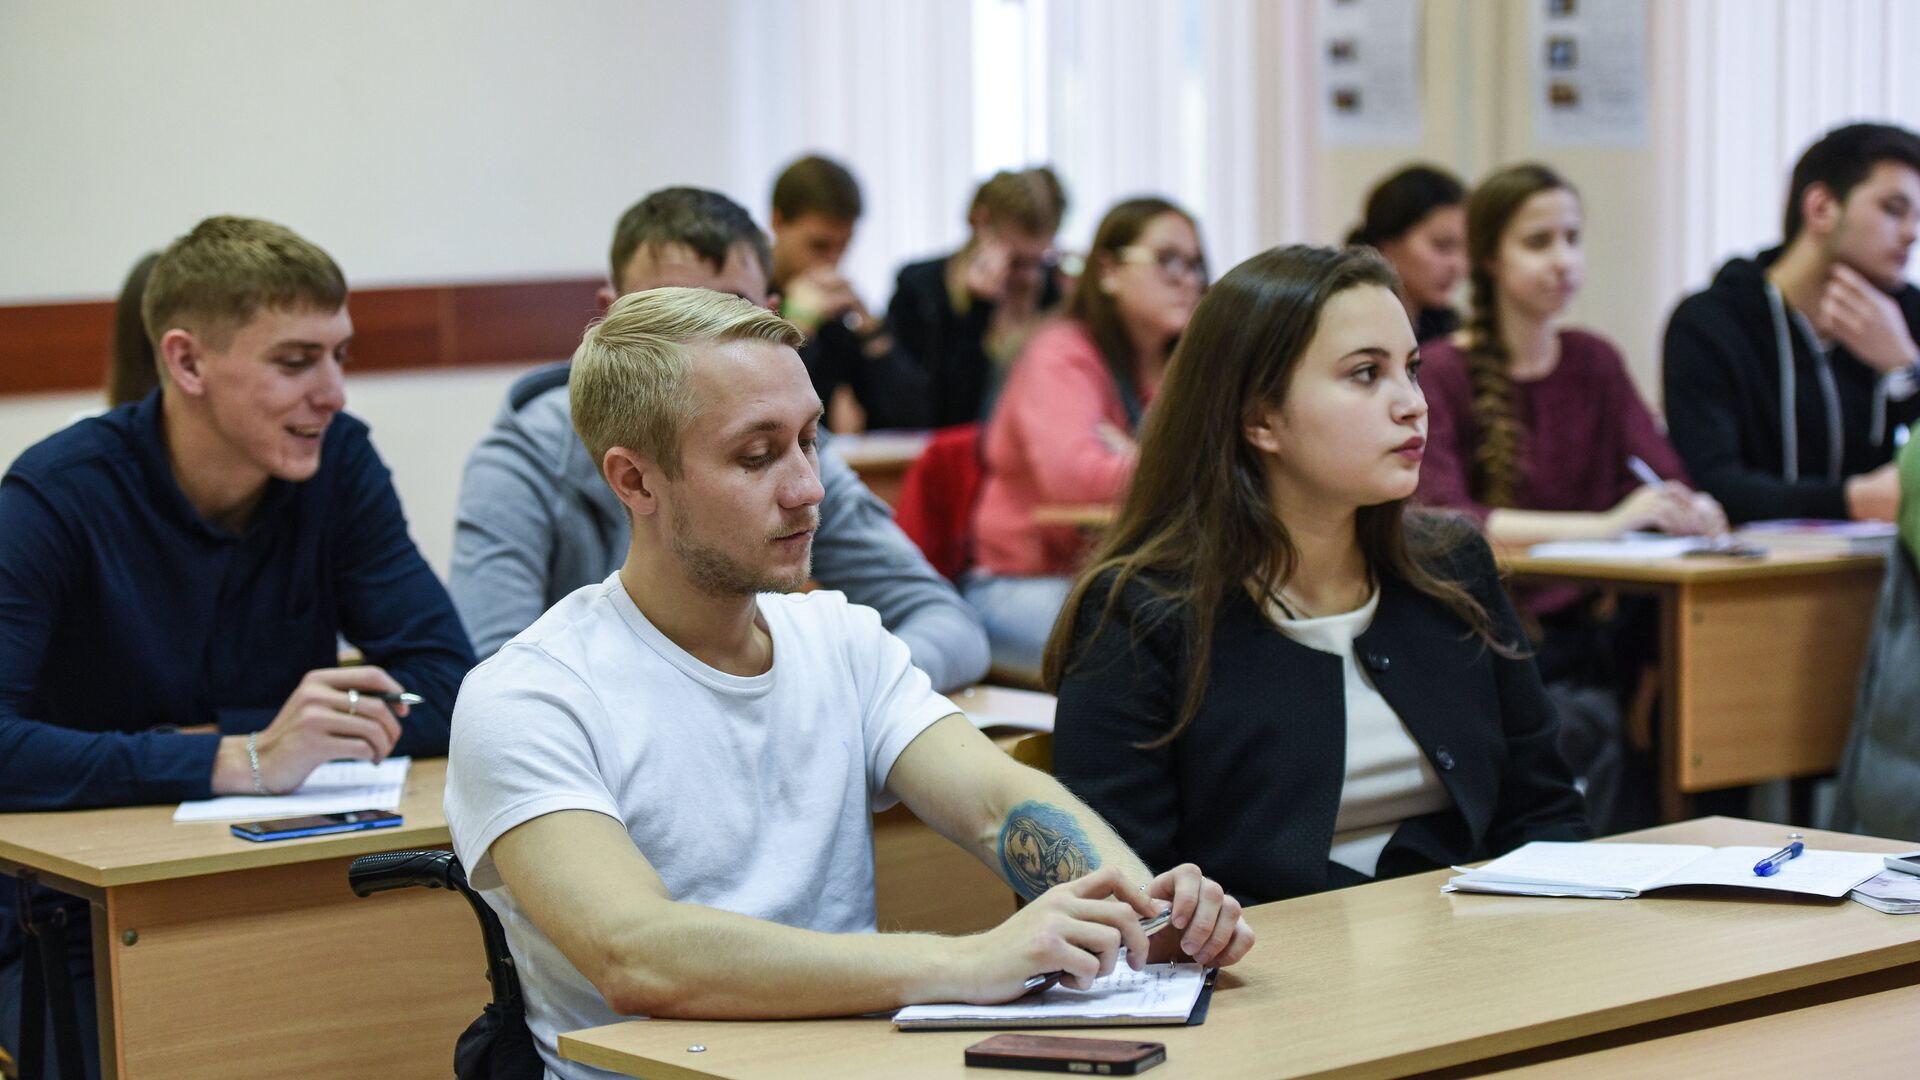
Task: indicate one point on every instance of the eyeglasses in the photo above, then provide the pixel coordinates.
(1172, 264)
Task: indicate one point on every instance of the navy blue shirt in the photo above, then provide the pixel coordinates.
(122, 610)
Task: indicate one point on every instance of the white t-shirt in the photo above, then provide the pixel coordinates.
(750, 794)
(1388, 778)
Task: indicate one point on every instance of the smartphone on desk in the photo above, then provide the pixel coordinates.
(1052, 1053)
(317, 825)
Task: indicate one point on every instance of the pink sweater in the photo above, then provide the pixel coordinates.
(1041, 449)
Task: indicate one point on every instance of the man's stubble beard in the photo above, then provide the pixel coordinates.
(716, 573)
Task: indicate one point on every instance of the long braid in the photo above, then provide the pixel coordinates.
(1498, 434)
(1499, 438)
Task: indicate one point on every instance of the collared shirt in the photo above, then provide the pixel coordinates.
(123, 610)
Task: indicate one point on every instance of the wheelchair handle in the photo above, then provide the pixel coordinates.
(387, 870)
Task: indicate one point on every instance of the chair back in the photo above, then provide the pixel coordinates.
(937, 496)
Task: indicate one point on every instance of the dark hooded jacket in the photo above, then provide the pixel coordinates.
(1761, 453)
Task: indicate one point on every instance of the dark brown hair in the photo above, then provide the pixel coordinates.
(1196, 524)
(817, 185)
(1498, 434)
(1095, 307)
(1403, 200)
(1843, 159)
(132, 369)
(706, 221)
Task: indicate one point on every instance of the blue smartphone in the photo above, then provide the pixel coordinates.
(317, 825)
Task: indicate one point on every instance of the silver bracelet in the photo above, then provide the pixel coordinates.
(253, 763)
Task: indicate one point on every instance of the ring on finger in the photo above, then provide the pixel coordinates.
(353, 702)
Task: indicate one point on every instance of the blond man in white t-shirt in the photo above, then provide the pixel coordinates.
(665, 785)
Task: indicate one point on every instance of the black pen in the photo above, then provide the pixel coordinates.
(1149, 926)
(404, 697)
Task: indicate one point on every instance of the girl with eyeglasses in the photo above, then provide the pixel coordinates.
(1063, 430)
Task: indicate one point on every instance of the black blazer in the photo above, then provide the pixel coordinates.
(947, 346)
(1250, 791)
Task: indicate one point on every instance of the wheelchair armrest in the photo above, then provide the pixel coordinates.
(370, 874)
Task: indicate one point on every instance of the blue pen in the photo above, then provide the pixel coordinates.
(1771, 865)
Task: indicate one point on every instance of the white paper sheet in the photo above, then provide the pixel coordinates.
(1619, 871)
(333, 788)
(1160, 992)
(1630, 546)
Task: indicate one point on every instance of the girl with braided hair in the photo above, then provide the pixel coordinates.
(1533, 422)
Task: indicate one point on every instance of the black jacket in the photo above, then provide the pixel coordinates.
(1251, 790)
(948, 347)
(1723, 397)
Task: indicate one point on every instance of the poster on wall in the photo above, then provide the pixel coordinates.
(1369, 64)
(1589, 60)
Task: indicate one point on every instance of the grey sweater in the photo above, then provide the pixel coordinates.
(536, 521)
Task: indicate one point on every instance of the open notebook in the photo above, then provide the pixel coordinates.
(1160, 994)
(1621, 871)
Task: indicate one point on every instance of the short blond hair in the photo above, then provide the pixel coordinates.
(629, 382)
(215, 279)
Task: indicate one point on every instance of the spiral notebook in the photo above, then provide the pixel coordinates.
(1159, 995)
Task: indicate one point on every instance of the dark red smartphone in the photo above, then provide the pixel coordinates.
(1053, 1053)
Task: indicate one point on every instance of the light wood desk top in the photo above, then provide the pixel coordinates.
(127, 845)
(1389, 978)
(1088, 516)
(1691, 569)
(1861, 1036)
(993, 707)
(880, 450)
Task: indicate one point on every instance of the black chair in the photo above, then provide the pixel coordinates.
(497, 1045)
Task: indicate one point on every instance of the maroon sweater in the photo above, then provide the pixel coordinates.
(1579, 425)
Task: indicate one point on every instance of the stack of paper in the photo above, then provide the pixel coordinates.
(1806, 536)
(1890, 891)
(333, 788)
(1159, 994)
(1621, 871)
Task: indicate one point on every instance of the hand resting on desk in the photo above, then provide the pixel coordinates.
(318, 723)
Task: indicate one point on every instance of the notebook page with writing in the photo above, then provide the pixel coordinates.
(1159, 994)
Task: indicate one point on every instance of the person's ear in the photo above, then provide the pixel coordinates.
(184, 360)
(776, 221)
(606, 295)
(1262, 428)
(1819, 210)
(635, 479)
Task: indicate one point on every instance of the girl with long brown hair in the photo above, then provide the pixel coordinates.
(1063, 430)
(1535, 424)
(1271, 665)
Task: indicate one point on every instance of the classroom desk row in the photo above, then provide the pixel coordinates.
(1396, 978)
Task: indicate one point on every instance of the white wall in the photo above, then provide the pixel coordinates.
(424, 141)
(424, 424)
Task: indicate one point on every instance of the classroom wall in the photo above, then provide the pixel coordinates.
(427, 141)
(1478, 116)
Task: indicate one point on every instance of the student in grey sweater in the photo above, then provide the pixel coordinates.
(535, 521)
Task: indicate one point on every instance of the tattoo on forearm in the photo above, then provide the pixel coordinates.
(1041, 846)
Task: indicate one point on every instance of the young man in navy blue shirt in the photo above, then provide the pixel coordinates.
(175, 575)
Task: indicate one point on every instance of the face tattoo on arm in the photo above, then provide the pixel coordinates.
(1042, 846)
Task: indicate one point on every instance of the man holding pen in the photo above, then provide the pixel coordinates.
(665, 785)
(176, 575)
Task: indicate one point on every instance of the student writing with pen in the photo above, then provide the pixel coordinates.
(176, 574)
(1533, 427)
(666, 784)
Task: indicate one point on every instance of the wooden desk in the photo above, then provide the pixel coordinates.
(218, 957)
(1761, 659)
(1858, 1036)
(881, 458)
(1387, 979)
